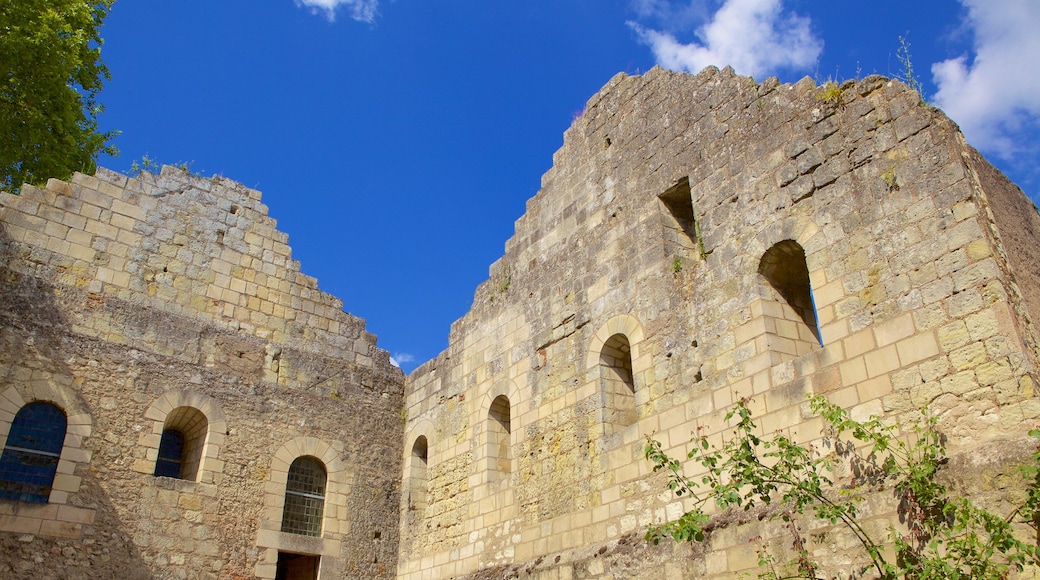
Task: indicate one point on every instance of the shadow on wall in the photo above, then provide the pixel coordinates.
(34, 351)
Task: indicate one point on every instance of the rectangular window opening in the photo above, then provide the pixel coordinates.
(682, 232)
(297, 566)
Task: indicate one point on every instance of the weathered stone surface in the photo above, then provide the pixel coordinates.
(121, 299)
(699, 239)
(658, 222)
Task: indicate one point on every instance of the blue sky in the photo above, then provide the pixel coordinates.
(396, 141)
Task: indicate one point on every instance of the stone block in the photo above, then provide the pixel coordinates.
(960, 383)
(875, 388)
(66, 482)
(881, 361)
(917, 348)
(993, 372)
(983, 324)
(859, 343)
(76, 515)
(132, 211)
(894, 330)
(975, 274)
(968, 356)
(19, 525)
(953, 335)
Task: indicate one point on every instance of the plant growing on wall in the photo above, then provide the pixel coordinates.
(830, 93)
(944, 536)
(146, 163)
(909, 76)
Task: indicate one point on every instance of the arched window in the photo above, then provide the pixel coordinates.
(304, 497)
(183, 444)
(794, 317)
(417, 467)
(498, 438)
(30, 457)
(618, 384)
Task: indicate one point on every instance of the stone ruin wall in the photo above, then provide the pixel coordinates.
(124, 299)
(521, 456)
(637, 263)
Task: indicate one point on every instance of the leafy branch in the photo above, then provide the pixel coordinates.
(944, 536)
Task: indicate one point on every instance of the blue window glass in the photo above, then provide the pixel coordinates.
(171, 452)
(30, 457)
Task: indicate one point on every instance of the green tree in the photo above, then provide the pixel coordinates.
(50, 62)
(943, 536)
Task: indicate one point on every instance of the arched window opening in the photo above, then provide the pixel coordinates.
(30, 458)
(304, 497)
(183, 444)
(784, 267)
(499, 430)
(618, 384)
(417, 468)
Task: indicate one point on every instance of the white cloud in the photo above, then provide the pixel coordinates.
(755, 37)
(397, 359)
(995, 95)
(360, 10)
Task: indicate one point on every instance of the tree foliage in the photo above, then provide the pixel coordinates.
(50, 62)
(943, 536)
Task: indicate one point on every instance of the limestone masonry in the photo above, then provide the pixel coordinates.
(699, 239)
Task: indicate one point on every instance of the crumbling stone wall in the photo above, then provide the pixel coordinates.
(666, 253)
(124, 299)
(699, 239)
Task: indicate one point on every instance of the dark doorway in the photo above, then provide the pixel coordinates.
(297, 567)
